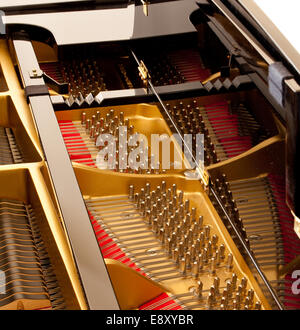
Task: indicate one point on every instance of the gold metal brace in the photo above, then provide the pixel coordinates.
(144, 73)
(296, 225)
(146, 4)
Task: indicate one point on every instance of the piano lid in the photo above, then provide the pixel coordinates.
(110, 24)
(22, 5)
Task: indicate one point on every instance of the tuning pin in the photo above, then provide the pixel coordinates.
(83, 118)
(182, 266)
(88, 124)
(229, 261)
(154, 210)
(188, 260)
(117, 120)
(250, 296)
(214, 240)
(217, 284)
(212, 291)
(163, 187)
(201, 240)
(164, 200)
(209, 249)
(200, 222)
(181, 248)
(199, 289)
(257, 305)
(142, 208)
(235, 305)
(171, 208)
(222, 251)
(207, 232)
(174, 200)
(96, 136)
(112, 126)
(169, 246)
(142, 193)
(193, 214)
(159, 205)
(213, 266)
(195, 269)
(244, 283)
(188, 220)
(225, 294)
(177, 218)
(149, 217)
(121, 118)
(169, 194)
(160, 220)
(158, 191)
(229, 288)
(247, 302)
(93, 120)
(92, 132)
(172, 221)
(175, 255)
(187, 206)
(107, 118)
(98, 126)
(153, 196)
(181, 211)
(217, 257)
(155, 226)
(190, 236)
(174, 189)
(136, 198)
(224, 303)
(205, 258)
(240, 289)
(161, 235)
(180, 197)
(165, 214)
(147, 189)
(185, 241)
(111, 113)
(234, 280)
(210, 300)
(98, 116)
(200, 261)
(198, 246)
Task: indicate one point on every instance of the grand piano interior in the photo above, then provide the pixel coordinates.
(75, 235)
